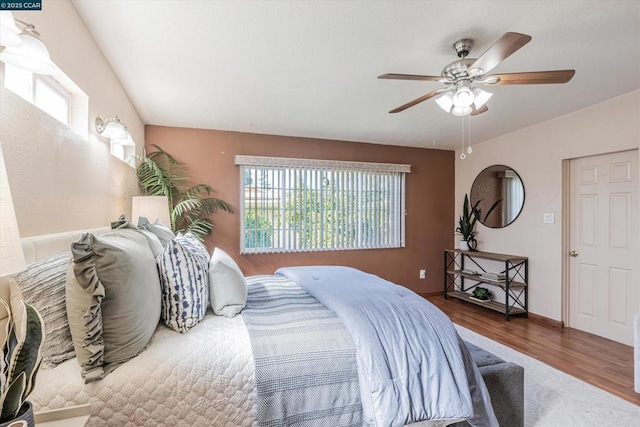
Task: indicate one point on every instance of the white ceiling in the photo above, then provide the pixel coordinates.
(309, 68)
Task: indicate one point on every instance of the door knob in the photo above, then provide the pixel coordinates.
(573, 253)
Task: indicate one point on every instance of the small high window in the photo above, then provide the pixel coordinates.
(42, 91)
(57, 95)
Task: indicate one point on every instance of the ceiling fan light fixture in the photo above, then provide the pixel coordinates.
(461, 111)
(445, 101)
(463, 97)
(480, 97)
(459, 96)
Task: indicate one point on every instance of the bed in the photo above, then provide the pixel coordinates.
(206, 377)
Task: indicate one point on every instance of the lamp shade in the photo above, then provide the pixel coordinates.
(463, 97)
(461, 111)
(124, 140)
(9, 30)
(151, 207)
(481, 97)
(32, 55)
(114, 129)
(11, 255)
(445, 101)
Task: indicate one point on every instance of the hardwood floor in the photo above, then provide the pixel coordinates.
(598, 361)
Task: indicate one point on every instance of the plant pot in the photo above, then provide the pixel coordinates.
(464, 245)
(25, 414)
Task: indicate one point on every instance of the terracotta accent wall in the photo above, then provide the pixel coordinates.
(429, 199)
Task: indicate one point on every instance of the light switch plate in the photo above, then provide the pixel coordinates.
(549, 218)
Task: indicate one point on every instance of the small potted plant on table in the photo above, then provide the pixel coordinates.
(467, 223)
(466, 226)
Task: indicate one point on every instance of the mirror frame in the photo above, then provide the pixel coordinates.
(524, 194)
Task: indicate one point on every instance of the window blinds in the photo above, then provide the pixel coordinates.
(290, 205)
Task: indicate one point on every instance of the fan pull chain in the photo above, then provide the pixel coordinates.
(469, 150)
(462, 155)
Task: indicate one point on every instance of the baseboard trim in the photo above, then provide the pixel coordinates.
(532, 316)
(546, 321)
(431, 294)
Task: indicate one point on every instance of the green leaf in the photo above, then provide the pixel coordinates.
(12, 398)
(161, 174)
(495, 205)
(467, 222)
(27, 356)
(200, 227)
(31, 381)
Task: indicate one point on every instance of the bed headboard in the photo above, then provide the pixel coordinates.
(37, 248)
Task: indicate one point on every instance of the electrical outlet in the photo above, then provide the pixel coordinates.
(423, 274)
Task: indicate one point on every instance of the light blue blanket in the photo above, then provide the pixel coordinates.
(412, 365)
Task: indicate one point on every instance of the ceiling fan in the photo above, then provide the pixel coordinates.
(460, 96)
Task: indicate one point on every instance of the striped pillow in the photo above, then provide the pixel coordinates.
(183, 268)
(43, 286)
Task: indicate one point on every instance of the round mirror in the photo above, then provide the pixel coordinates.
(499, 194)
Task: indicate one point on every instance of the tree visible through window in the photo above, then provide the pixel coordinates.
(307, 205)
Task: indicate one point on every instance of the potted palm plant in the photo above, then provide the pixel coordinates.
(161, 174)
(21, 337)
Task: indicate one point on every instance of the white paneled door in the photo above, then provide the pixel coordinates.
(604, 285)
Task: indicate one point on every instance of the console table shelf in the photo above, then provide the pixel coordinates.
(514, 286)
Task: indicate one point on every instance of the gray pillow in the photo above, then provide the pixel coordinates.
(113, 299)
(163, 232)
(227, 285)
(42, 285)
(153, 240)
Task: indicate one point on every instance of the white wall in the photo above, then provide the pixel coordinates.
(536, 153)
(59, 180)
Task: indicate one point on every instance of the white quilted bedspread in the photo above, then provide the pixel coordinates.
(203, 378)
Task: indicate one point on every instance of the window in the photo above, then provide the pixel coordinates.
(295, 205)
(57, 95)
(124, 153)
(42, 91)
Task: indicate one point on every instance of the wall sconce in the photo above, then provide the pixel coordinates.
(22, 47)
(115, 130)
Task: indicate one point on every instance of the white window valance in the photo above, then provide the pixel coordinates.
(265, 161)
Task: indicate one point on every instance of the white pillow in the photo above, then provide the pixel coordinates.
(227, 286)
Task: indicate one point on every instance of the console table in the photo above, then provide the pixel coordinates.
(463, 273)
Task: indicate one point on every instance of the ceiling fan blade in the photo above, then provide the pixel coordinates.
(480, 110)
(532, 78)
(418, 100)
(393, 76)
(503, 48)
